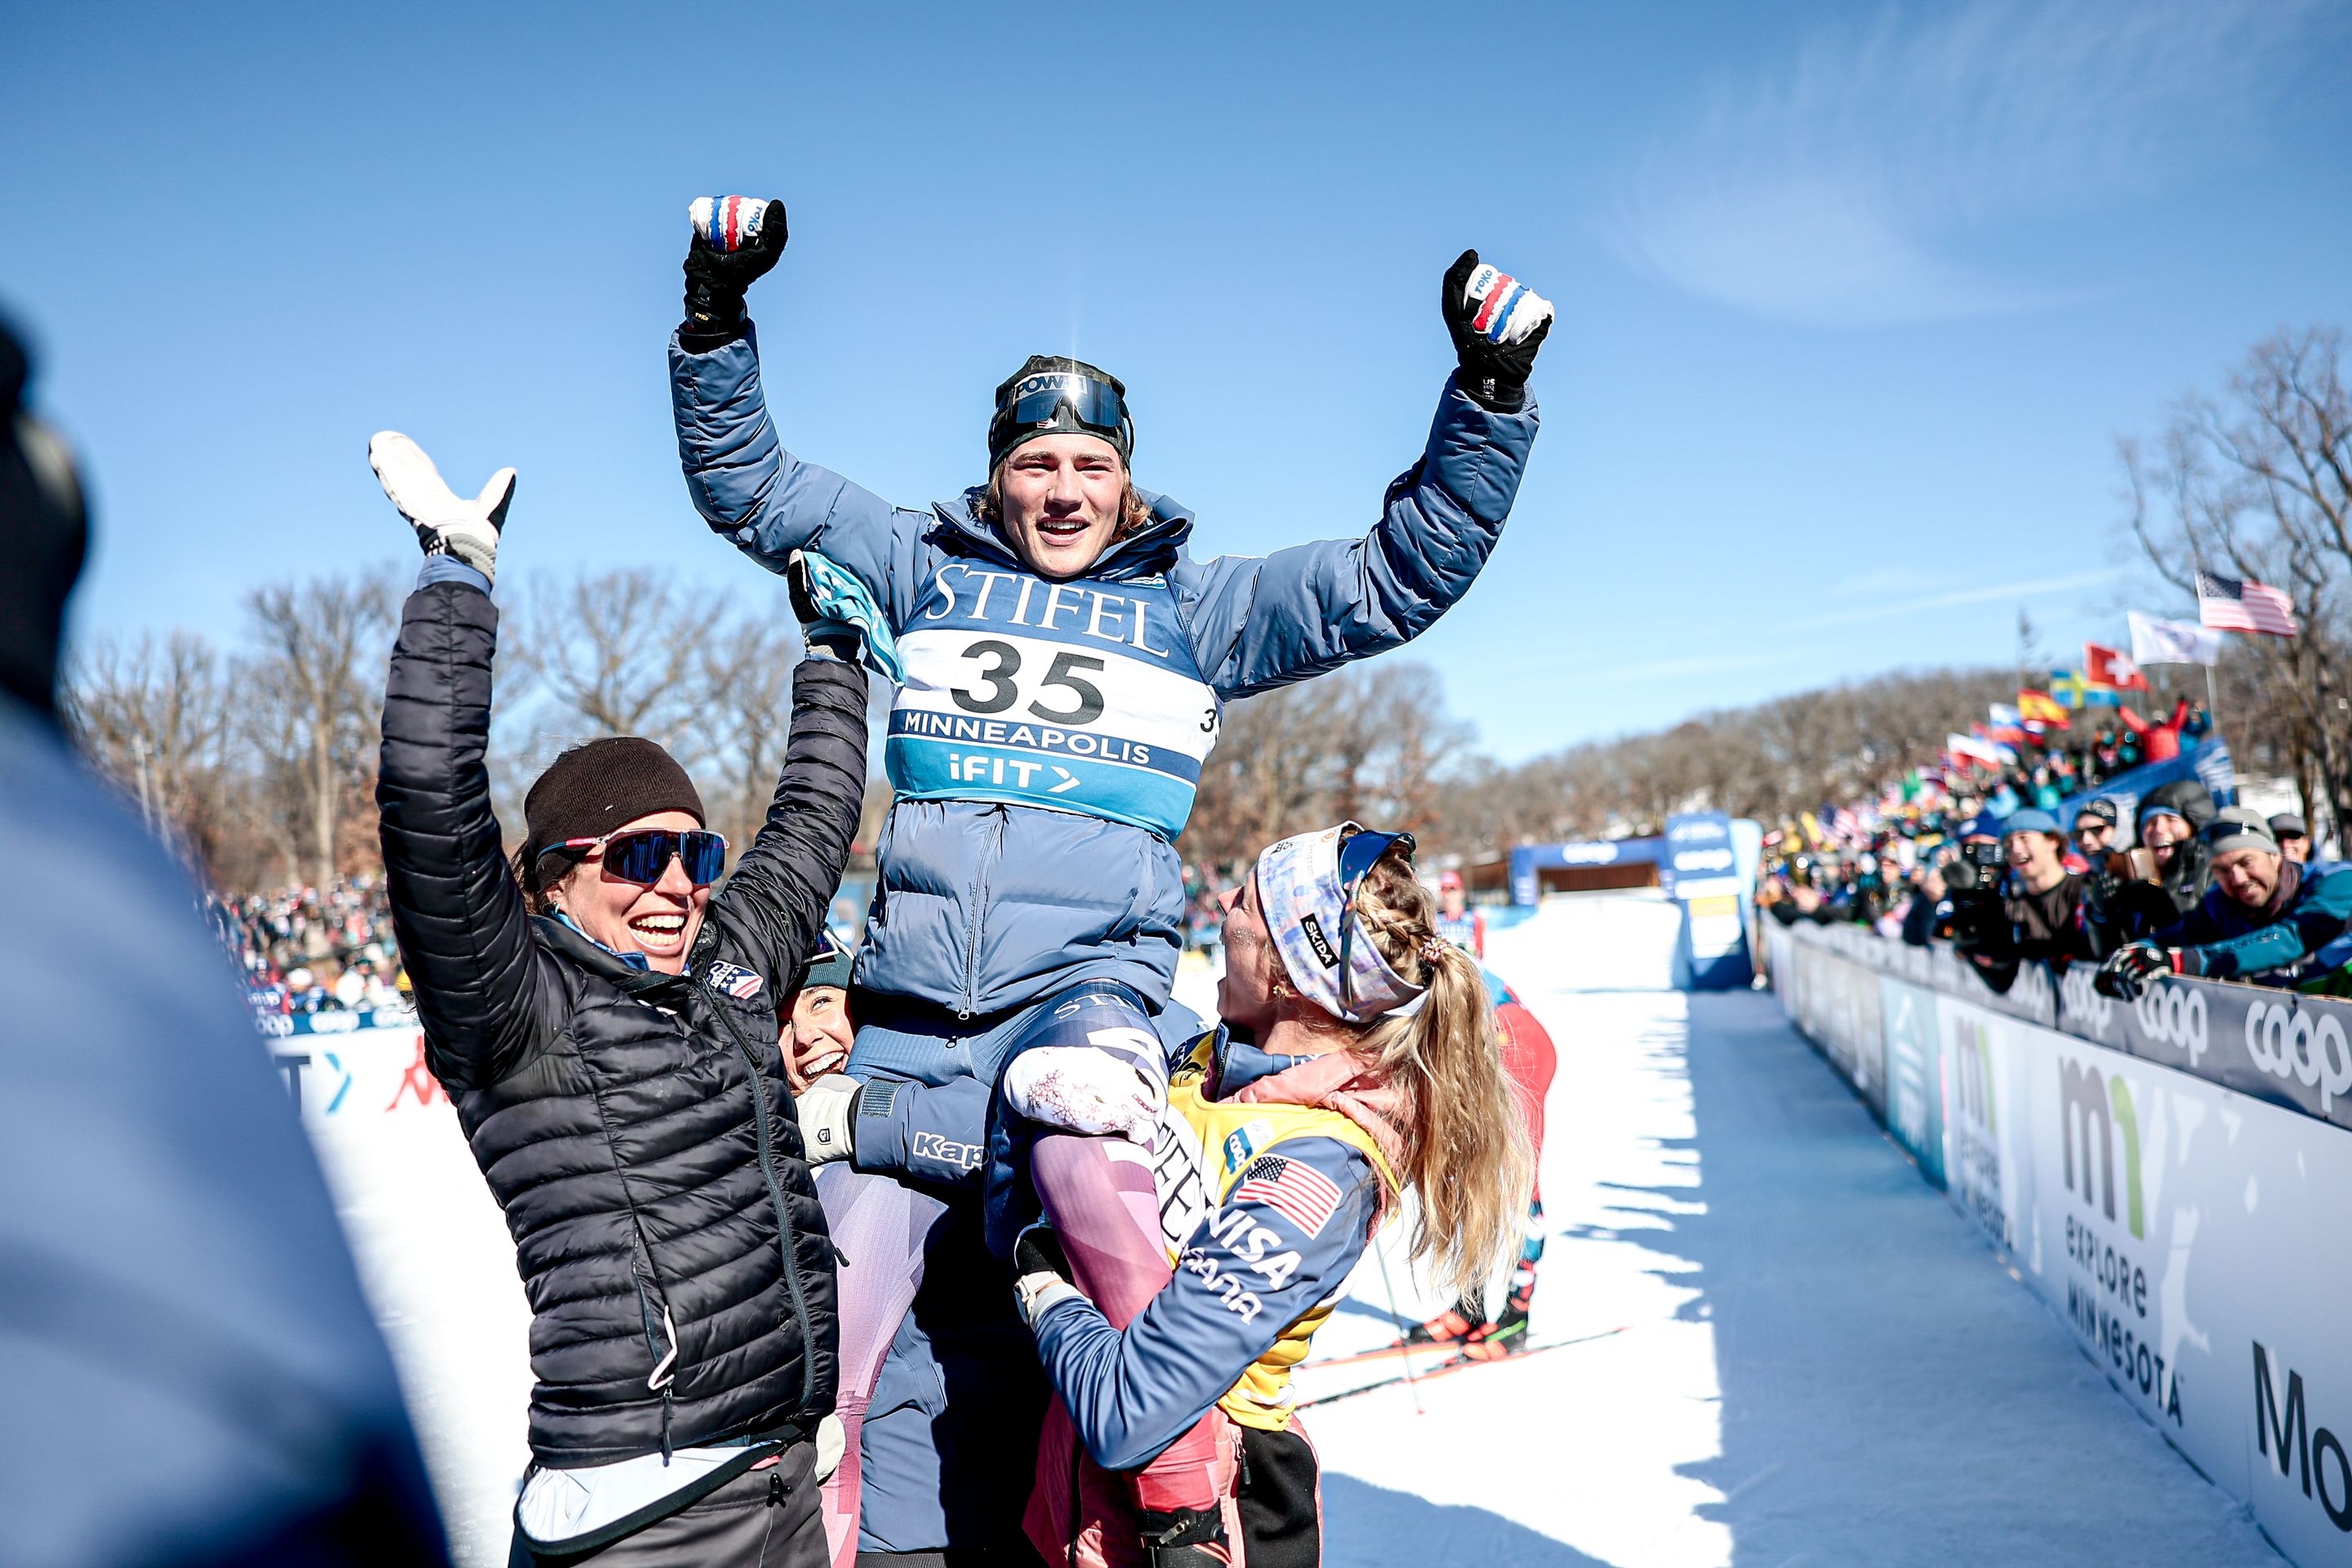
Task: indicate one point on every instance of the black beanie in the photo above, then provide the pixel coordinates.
(1004, 436)
(594, 788)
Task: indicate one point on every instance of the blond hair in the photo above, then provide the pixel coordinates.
(1466, 1151)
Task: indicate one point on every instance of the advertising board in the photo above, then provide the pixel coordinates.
(2187, 1231)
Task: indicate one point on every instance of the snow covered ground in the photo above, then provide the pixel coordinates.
(1804, 1353)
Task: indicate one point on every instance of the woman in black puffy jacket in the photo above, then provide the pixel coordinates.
(607, 1030)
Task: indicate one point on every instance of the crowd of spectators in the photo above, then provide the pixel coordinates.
(309, 949)
(1977, 858)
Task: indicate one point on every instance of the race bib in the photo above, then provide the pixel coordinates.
(1075, 697)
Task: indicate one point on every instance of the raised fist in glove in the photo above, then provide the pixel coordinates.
(2127, 970)
(446, 523)
(736, 241)
(1498, 323)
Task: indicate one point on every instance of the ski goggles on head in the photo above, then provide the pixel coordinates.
(643, 856)
(1060, 401)
(1307, 886)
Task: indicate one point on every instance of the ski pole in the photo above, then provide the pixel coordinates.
(1389, 1286)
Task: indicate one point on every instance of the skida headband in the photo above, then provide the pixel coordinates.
(1052, 396)
(1307, 887)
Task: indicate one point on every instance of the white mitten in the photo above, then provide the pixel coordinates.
(446, 523)
(825, 1108)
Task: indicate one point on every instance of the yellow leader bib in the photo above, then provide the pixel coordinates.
(1213, 1143)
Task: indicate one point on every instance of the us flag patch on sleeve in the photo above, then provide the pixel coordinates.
(1299, 1191)
(736, 981)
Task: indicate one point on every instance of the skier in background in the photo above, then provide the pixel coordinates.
(1457, 922)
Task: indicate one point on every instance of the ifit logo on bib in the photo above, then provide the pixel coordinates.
(1073, 696)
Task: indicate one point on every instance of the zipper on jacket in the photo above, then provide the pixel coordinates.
(976, 900)
(784, 1232)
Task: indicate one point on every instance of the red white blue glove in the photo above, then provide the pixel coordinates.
(1498, 323)
(736, 241)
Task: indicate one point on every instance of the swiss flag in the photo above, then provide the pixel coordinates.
(2112, 667)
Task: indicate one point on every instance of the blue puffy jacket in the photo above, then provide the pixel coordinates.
(993, 892)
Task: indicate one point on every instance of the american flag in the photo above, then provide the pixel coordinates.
(737, 982)
(1297, 1190)
(2227, 604)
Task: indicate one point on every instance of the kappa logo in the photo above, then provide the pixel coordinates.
(2308, 1048)
(1318, 941)
(946, 1150)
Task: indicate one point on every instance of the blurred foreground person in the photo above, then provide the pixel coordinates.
(608, 1033)
(188, 1371)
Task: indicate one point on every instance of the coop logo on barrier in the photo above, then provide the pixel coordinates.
(1703, 860)
(2312, 1455)
(2172, 1017)
(2310, 1049)
(1587, 854)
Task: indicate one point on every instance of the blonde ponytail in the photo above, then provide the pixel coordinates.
(1467, 1148)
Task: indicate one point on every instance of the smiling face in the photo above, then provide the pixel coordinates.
(660, 922)
(1062, 497)
(2248, 876)
(818, 1036)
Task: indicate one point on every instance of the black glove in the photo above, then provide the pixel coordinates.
(715, 279)
(2128, 969)
(1040, 1271)
(1494, 374)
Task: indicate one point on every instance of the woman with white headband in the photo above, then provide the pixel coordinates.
(1357, 1061)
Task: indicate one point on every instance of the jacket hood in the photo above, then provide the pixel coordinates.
(1154, 548)
(2187, 796)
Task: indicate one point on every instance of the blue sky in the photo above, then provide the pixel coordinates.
(1853, 298)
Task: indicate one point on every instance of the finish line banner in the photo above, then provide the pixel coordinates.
(2173, 1178)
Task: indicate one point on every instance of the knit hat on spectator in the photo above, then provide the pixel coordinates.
(1985, 825)
(594, 789)
(2287, 825)
(2099, 810)
(830, 964)
(2161, 810)
(2239, 828)
(2029, 820)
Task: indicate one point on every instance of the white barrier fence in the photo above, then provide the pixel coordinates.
(433, 1251)
(2192, 1235)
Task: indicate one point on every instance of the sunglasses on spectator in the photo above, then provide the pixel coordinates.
(643, 856)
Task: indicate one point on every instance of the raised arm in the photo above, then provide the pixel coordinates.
(748, 487)
(1256, 623)
(781, 888)
(464, 937)
(1251, 1272)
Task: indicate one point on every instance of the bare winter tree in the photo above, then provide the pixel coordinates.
(2257, 484)
(622, 653)
(153, 716)
(310, 703)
